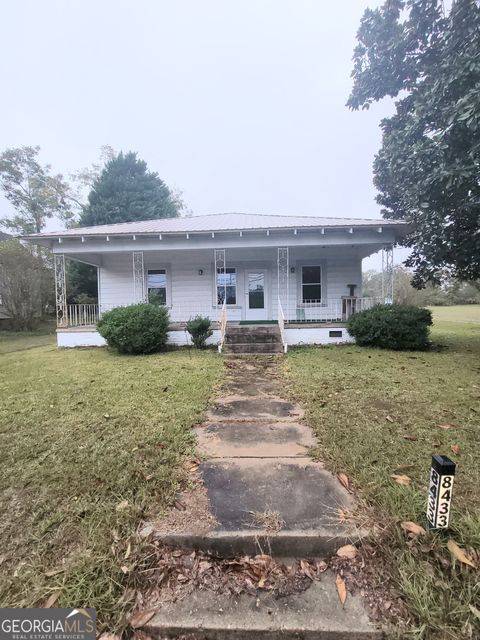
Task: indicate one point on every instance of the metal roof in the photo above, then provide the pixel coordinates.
(215, 222)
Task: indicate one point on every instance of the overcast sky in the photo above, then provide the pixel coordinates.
(238, 103)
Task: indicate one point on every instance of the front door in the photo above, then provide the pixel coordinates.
(256, 299)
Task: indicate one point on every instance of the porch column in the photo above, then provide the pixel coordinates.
(60, 290)
(220, 267)
(283, 278)
(387, 273)
(139, 293)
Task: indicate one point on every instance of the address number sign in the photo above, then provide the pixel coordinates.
(442, 475)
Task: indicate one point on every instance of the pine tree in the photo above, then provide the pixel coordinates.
(126, 191)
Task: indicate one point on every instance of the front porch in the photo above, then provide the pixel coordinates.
(297, 288)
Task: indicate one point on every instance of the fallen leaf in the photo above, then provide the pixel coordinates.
(404, 467)
(408, 437)
(141, 618)
(446, 426)
(321, 566)
(456, 449)
(348, 551)
(127, 552)
(343, 479)
(307, 569)
(121, 505)
(413, 527)
(401, 479)
(124, 569)
(341, 588)
(459, 554)
(389, 418)
(52, 600)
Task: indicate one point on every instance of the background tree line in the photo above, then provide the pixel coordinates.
(450, 292)
(119, 188)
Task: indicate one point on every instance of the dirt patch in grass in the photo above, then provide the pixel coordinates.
(190, 511)
(92, 444)
(375, 412)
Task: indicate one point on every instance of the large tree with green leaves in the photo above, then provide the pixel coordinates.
(427, 171)
(126, 191)
(34, 191)
(26, 284)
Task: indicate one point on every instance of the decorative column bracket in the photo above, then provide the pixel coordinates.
(387, 273)
(220, 268)
(60, 290)
(139, 293)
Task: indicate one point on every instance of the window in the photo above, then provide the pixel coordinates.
(157, 286)
(227, 284)
(311, 284)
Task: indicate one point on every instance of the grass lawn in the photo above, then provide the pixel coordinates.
(362, 403)
(90, 443)
(20, 341)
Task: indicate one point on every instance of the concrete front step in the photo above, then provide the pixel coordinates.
(252, 328)
(314, 614)
(322, 542)
(252, 338)
(253, 348)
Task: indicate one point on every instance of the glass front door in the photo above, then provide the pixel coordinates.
(255, 294)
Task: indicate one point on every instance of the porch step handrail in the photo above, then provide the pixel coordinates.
(222, 321)
(281, 325)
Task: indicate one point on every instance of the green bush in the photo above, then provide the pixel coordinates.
(137, 329)
(392, 326)
(200, 329)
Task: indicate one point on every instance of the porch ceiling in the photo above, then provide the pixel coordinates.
(233, 254)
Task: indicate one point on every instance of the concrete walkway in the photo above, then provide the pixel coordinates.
(264, 491)
(267, 496)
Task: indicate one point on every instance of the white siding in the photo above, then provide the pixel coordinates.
(190, 293)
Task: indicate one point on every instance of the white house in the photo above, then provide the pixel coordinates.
(302, 273)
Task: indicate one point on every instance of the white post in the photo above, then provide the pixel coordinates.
(387, 273)
(138, 277)
(220, 267)
(283, 278)
(60, 290)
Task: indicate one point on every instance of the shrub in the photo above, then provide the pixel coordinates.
(200, 329)
(137, 329)
(391, 326)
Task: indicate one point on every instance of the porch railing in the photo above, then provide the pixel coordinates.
(85, 315)
(223, 326)
(281, 325)
(331, 310)
(336, 310)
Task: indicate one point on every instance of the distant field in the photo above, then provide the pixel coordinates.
(458, 313)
